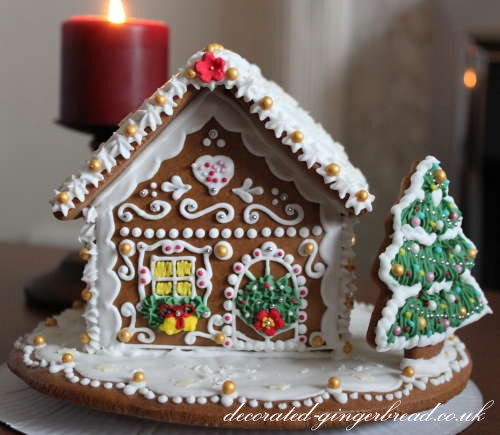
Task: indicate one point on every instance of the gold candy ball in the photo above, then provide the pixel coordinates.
(131, 130)
(232, 73)
(334, 383)
(50, 321)
(84, 254)
(213, 46)
(228, 387)
(38, 340)
(126, 248)
(221, 251)
(409, 372)
(297, 136)
(125, 335)
(347, 347)
(160, 100)
(308, 248)
(67, 358)
(84, 338)
(362, 195)
(138, 377)
(86, 294)
(472, 252)
(190, 73)
(95, 165)
(266, 103)
(462, 311)
(219, 338)
(332, 169)
(317, 341)
(353, 240)
(63, 197)
(439, 176)
(397, 270)
(422, 323)
(77, 304)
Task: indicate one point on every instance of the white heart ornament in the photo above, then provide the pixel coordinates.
(215, 172)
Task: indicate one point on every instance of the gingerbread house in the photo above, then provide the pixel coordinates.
(219, 214)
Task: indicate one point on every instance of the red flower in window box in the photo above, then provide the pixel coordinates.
(269, 322)
(210, 68)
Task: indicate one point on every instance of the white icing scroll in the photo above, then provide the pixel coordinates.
(162, 208)
(215, 320)
(246, 191)
(188, 207)
(127, 271)
(145, 335)
(316, 271)
(251, 216)
(176, 186)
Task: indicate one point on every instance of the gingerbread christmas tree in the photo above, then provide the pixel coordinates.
(426, 268)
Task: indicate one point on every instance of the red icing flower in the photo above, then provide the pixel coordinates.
(269, 321)
(210, 68)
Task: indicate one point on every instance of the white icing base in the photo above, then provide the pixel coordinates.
(196, 377)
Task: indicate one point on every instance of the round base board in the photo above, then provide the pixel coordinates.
(212, 415)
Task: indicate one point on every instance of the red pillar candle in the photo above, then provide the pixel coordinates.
(109, 68)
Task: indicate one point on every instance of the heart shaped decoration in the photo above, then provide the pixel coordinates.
(215, 172)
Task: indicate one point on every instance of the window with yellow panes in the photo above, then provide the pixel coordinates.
(173, 276)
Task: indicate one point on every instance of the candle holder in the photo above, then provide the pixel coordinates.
(59, 288)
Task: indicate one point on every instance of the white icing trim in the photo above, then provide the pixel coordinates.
(284, 117)
(188, 207)
(246, 192)
(145, 335)
(316, 271)
(176, 186)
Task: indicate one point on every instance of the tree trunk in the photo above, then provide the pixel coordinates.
(425, 352)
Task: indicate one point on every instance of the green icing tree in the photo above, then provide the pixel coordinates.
(427, 266)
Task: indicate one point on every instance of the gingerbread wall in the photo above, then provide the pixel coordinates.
(242, 237)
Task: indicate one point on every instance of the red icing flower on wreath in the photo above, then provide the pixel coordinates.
(210, 68)
(269, 321)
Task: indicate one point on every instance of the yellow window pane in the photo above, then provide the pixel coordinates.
(183, 288)
(184, 268)
(163, 269)
(163, 288)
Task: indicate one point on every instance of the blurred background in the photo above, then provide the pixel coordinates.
(393, 80)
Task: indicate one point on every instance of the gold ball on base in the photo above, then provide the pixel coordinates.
(219, 338)
(84, 254)
(67, 358)
(397, 270)
(232, 73)
(347, 347)
(266, 103)
(228, 387)
(38, 340)
(472, 252)
(332, 169)
(125, 335)
(138, 377)
(95, 165)
(213, 46)
(462, 311)
(220, 250)
(63, 197)
(439, 176)
(297, 136)
(409, 372)
(84, 338)
(317, 341)
(334, 383)
(190, 73)
(308, 248)
(362, 195)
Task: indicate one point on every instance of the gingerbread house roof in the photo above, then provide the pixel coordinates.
(212, 68)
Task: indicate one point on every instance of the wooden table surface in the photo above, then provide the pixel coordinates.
(21, 262)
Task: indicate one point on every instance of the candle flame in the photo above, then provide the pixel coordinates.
(116, 11)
